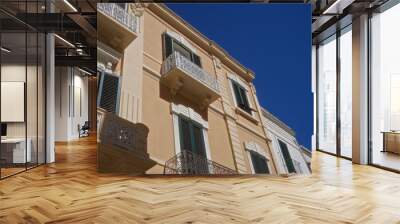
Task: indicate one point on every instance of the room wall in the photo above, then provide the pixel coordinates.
(34, 124)
(71, 102)
(16, 73)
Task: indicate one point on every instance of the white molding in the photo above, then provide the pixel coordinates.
(250, 163)
(175, 120)
(232, 92)
(252, 146)
(181, 39)
(188, 112)
(153, 73)
(206, 144)
(237, 79)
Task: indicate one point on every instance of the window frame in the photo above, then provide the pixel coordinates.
(234, 80)
(191, 125)
(179, 110)
(254, 147)
(174, 42)
(265, 159)
(289, 169)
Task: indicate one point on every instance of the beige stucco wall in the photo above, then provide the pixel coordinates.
(157, 117)
(221, 150)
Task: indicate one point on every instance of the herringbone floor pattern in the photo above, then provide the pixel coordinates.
(71, 191)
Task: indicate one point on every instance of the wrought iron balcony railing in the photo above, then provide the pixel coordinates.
(188, 163)
(119, 14)
(176, 60)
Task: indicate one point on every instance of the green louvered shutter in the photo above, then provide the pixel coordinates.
(287, 157)
(167, 45)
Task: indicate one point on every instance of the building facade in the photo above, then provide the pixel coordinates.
(292, 158)
(356, 82)
(190, 93)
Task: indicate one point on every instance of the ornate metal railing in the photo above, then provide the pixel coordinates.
(124, 134)
(119, 14)
(188, 163)
(181, 62)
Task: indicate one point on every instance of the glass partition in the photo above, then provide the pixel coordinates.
(22, 101)
(13, 117)
(346, 92)
(327, 95)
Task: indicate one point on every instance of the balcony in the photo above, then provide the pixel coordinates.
(188, 163)
(116, 26)
(121, 145)
(184, 77)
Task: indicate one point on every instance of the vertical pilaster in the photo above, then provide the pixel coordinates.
(132, 73)
(275, 156)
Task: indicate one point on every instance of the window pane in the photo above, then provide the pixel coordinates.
(198, 141)
(185, 137)
(346, 93)
(32, 98)
(385, 88)
(183, 51)
(237, 93)
(259, 163)
(245, 103)
(327, 95)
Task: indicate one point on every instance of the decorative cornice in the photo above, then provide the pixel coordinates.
(252, 146)
(276, 121)
(180, 24)
(188, 112)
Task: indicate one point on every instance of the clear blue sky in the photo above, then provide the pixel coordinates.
(273, 40)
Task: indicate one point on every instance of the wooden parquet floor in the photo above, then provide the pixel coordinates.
(71, 191)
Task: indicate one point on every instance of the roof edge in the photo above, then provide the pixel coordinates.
(162, 10)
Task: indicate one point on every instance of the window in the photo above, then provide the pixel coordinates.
(327, 95)
(191, 137)
(345, 94)
(173, 45)
(385, 89)
(241, 97)
(259, 163)
(287, 157)
(108, 94)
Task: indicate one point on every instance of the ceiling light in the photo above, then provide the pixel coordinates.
(86, 72)
(337, 7)
(65, 41)
(5, 50)
(70, 5)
